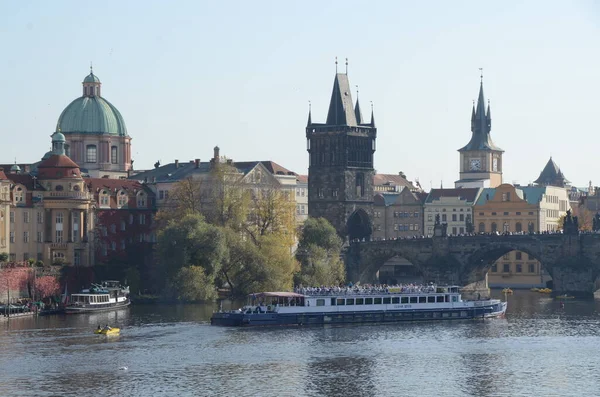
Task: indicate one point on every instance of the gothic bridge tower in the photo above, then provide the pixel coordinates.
(340, 172)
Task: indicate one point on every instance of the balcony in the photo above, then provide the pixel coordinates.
(68, 195)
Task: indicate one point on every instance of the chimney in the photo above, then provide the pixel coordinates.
(197, 162)
(176, 163)
(216, 154)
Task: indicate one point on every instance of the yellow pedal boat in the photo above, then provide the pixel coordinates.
(112, 331)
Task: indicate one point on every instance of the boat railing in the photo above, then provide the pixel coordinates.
(369, 292)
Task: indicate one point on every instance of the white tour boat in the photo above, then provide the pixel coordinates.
(314, 306)
(109, 295)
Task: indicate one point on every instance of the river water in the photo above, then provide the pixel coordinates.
(539, 349)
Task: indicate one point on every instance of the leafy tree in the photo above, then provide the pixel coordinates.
(319, 254)
(3, 256)
(190, 241)
(227, 198)
(272, 213)
(191, 284)
(184, 198)
(46, 287)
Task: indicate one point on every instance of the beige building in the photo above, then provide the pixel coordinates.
(454, 208)
(301, 198)
(398, 215)
(519, 209)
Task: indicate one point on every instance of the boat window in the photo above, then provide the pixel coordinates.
(428, 314)
(332, 301)
(454, 314)
(440, 290)
(440, 298)
(463, 314)
(377, 301)
(447, 298)
(422, 299)
(404, 299)
(341, 301)
(368, 301)
(387, 301)
(349, 301)
(395, 299)
(445, 314)
(360, 301)
(431, 299)
(320, 302)
(455, 298)
(436, 315)
(413, 299)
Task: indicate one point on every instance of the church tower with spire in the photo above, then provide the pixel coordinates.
(341, 171)
(480, 159)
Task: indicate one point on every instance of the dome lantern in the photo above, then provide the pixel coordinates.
(91, 84)
(58, 143)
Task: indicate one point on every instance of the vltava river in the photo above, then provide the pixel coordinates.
(539, 349)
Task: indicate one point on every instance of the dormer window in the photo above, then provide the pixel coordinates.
(122, 199)
(104, 199)
(141, 200)
(19, 194)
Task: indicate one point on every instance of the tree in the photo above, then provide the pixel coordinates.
(184, 198)
(272, 213)
(227, 197)
(191, 284)
(190, 241)
(46, 287)
(319, 254)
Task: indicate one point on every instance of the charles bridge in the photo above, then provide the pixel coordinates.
(573, 261)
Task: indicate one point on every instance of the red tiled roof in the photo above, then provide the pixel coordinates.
(112, 184)
(2, 175)
(302, 178)
(58, 161)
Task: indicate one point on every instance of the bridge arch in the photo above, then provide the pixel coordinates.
(359, 225)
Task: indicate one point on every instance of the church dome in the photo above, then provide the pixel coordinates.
(91, 114)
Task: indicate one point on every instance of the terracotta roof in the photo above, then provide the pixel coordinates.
(58, 160)
(392, 179)
(112, 184)
(2, 175)
(302, 178)
(468, 194)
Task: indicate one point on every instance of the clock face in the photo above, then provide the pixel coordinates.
(495, 164)
(475, 164)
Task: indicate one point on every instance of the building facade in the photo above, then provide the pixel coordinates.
(95, 132)
(340, 172)
(454, 207)
(5, 205)
(398, 215)
(301, 198)
(480, 159)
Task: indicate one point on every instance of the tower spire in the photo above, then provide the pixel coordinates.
(336, 65)
(346, 65)
(372, 116)
(309, 114)
(357, 111)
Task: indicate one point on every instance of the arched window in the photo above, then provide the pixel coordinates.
(141, 200)
(518, 227)
(104, 199)
(531, 227)
(91, 154)
(113, 155)
(122, 199)
(360, 185)
(19, 194)
(494, 227)
(481, 227)
(505, 227)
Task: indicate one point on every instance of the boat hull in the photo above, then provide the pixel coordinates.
(240, 319)
(96, 308)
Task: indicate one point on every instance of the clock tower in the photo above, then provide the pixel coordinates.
(480, 159)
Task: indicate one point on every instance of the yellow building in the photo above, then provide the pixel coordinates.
(4, 212)
(516, 210)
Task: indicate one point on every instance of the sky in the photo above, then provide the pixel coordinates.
(189, 75)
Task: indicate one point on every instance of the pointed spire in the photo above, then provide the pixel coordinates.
(372, 116)
(357, 112)
(341, 110)
(309, 114)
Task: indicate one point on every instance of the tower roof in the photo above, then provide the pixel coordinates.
(481, 126)
(551, 175)
(91, 78)
(341, 111)
(358, 113)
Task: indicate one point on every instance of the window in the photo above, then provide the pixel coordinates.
(122, 226)
(320, 192)
(462, 217)
(25, 237)
(494, 227)
(518, 213)
(519, 268)
(40, 217)
(12, 217)
(122, 244)
(91, 154)
(481, 227)
(113, 228)
(161, 194)
(454, 231)
(104, 199)
(444, 218)
(26, 217)
(482, 213)
(518, 227)
(122, 199)
(506, 268)
(506, 213)
(25, 256)
(453, 217)
(113, 246)
(18, 195)
(518, 255)
(506, 256)
(58, 236)
(506, 196)
(334, 192)
(113, 155)
(462, 230)
(320, 302)
(142, 219)
(429, 217)
(77, 258)
(530, 227)
(131, 219)
(141, 200)
(416, 214)
(493, 213)
(531, 267)
(40, 237)
(12, 237)
(494, 268)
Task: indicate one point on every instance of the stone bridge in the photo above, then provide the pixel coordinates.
(573, 261)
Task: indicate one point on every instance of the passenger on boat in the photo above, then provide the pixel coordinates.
(107, 328)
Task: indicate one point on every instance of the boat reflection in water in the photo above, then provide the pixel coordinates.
(315, 306)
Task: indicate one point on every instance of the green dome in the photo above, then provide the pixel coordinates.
(91, 78)
(58, 137)
(91, 115)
